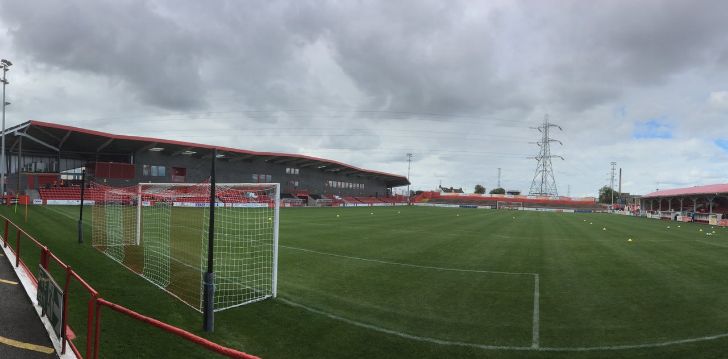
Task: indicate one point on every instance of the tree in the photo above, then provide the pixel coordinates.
(479, 189)
(498, 191)
(605, 195)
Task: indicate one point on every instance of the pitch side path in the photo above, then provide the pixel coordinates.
(22, 334)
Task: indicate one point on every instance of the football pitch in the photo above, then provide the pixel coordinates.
(415, 282)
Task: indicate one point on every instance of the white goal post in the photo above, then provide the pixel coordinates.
(160, 231)
(509, 205)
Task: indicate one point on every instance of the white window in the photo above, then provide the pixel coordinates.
(153, 171)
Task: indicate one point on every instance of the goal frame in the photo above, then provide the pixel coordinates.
(276, 217)
(263, 200)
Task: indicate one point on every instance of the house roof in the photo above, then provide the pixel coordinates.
(47, 137)
(689, 191)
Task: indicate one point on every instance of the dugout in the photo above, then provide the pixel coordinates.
(699, 202)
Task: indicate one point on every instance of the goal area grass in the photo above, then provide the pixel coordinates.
(415, 282)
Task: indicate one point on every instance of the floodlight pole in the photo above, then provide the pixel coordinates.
(4, 64)
(611, 184)
(409, 165)
(208, 308)
(80, 211)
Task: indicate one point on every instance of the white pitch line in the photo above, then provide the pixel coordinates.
(398, 333)
(500, 347)
(406, 264)
(64, 214)
(711, 243)
(536, 324)
(638, 346)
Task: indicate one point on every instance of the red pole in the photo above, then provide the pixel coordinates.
(44, 257)
(97, 330)
(212, 346)
(89, 325)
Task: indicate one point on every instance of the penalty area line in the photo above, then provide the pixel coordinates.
(405, 264)
(536, 309)
(501, 347)
(398, 333)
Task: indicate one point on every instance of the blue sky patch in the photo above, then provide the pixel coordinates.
(652, 129)
(722, 143)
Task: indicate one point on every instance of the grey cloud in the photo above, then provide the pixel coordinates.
(128, 41)
(437, 68)
(615, 45)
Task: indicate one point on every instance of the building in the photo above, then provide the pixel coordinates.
(707, 199)
(41, 154)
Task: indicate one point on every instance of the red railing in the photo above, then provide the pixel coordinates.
(95, 303)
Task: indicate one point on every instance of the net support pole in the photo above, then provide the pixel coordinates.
(275, 240)
(208, 296)
(80, 210)
(139, 215)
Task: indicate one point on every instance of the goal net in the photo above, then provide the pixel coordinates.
(509, 205)
(160, 231)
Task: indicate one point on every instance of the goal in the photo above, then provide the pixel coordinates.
(509, 205)
(160, 231)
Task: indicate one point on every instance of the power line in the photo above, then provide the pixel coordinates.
(544, 183)
(309, 131)
(317, 113)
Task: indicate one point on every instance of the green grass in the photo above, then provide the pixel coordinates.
(410, 282)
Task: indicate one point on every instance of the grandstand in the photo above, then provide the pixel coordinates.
(707, 204)
(45, 162)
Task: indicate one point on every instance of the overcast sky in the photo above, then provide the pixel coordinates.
(456, 83)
